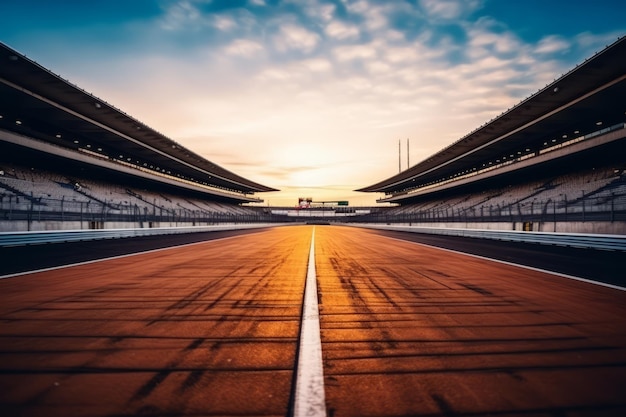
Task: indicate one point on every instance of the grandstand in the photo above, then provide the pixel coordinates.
(69, 160)
(554, 162)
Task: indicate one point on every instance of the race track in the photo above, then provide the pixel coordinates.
(212, 328)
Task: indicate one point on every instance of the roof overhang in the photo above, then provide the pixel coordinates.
(94, 161)
(51, 109)
(552, 155)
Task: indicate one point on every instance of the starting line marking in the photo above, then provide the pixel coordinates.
(309, 394)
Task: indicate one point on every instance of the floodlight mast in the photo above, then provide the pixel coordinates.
(408, 162)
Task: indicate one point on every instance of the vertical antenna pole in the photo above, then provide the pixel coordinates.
(399, 157)
(408, 162)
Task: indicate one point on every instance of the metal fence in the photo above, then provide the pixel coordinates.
(21, 208)
(602, 209)
(596, 209)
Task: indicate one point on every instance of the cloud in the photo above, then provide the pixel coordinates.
(404, 54)
(311, 96)
(243, 48)
(316, 10)
(182, 14)
(352, 52)
(375, 18)
(291, 37)
(342, 31)
(378, 67)
(552, 44)
(486, 39)
(449, 9)
(442, 8)
(313, 66)
(200, 19)
(224, 23)
(274, 74)
(594, 42)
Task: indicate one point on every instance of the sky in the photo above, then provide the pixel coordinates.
(312, 96)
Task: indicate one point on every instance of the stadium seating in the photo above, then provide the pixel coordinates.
(30, 189)
(595, 190)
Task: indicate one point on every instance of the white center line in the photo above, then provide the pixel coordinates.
(309, 395)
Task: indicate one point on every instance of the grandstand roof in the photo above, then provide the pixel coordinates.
(54, 110)
(588, 97)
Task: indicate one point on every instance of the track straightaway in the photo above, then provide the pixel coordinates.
(414, 330)
(309, 396)
(208, 329)
(215, 329)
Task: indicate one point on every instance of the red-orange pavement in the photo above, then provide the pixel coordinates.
(413, 330)
(212, 328)
(207, 329)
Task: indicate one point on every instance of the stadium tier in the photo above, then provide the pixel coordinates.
(554, 162)
(62, 147)
(556, 156)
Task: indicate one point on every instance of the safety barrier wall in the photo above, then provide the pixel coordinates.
(578, 240)
(32, 238)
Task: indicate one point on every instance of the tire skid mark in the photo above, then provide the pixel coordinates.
(249, 297)
(423, 274)
(192, 380)
(195, 344)
(146, 389)
(462, 325)
(477, 289)
(362, 304)
(224, 294)
(443, 405)
(383, 292)
(401, 280)
(194, 376)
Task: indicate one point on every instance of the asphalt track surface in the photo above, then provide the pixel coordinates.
(212, 329)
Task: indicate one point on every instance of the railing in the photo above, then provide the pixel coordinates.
(577, 240)
(33, 238)
(603, 208)
(34, 209)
